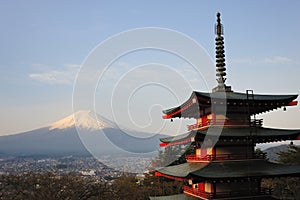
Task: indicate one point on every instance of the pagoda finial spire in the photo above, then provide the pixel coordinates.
(219, 26)
(220, 57)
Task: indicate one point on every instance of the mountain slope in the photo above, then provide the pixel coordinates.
(272, 151)
(82, 119)
(43, 142)
(73, 134)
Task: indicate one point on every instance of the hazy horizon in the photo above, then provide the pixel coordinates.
(44, 44)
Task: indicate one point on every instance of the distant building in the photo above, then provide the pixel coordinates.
(88, 173)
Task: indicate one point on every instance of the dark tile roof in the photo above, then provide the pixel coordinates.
(243, 96)
(236, 132)
(231, 96)
(182, 170)
(174, 197)
(187, 197)
(231, 169)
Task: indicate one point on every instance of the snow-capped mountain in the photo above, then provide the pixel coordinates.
(83, 132)
(82, 119)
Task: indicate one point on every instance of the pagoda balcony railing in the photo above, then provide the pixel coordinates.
(210, 195)
(226, 122)
(256, 123)
(197, 158)
(197, 192)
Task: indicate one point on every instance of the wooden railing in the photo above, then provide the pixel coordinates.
(261, 192)
(201, 193)
(195, 158)
(256, 123)
(197, 192)
(226, 122)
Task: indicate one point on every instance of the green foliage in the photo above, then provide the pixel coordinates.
(287, 187)
(284, 188)
(48, 186)
(71, 186)
(291, 157)
(258, 151)
(126, 188)
(172, 155)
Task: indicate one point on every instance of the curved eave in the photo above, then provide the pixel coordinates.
(186, 137)
(229, 170)
(258, 107)
(243, 96)
(174, 197)
(263, 103)
(245, 168)
(249, 132)
(180, 171)
(177, 111)
(259, 134)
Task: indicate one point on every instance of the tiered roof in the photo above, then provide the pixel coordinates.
(224, 121)
(185, 197)
(257, 134)
(258, 103)
(174, 197)
(230, 169)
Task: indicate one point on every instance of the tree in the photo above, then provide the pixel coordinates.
(125, 187)
(291, 157)
(291, 185)
(172, 155)
(287, 187)
(50, 186)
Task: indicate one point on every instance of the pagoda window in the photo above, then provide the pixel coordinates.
(209, 188)
(198, 152)
(201, 122)
(203, 187)
(203, 152)
(219, 120)
(204, 121)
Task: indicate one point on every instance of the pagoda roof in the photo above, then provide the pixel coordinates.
(180, 137)
(259, 134)
(181, 170)
(188, 197)
(230, 169)
(174, 197)
(243, 96)
(200, 100)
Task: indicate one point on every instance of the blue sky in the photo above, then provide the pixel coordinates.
(43, 43)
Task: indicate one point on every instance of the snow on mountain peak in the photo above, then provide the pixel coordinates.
(83, 119)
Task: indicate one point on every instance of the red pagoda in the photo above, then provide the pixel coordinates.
(224, 164)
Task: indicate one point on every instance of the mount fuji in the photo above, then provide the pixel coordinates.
(82, 133)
